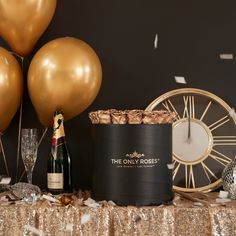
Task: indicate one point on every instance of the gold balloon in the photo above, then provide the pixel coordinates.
(11, 87)
(65, 74)
(22, 22)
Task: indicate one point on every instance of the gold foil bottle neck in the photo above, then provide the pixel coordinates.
(58, 127)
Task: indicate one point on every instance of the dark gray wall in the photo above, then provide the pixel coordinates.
(192, 34)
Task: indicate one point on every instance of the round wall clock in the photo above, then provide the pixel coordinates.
(204, 137)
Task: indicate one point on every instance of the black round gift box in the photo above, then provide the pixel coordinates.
(130, 163)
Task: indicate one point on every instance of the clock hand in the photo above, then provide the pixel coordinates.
(189, 131)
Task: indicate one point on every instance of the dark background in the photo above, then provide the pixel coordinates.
(191, 34)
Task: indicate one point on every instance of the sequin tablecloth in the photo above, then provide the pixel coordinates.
(182, 218)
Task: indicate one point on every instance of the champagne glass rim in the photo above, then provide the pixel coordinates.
(29, 131)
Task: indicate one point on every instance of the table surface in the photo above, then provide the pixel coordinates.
(183, 217)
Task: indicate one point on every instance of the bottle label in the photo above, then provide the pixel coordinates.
(58, 128)
(55, 180)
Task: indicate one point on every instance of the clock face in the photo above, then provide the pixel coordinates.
(204, 137)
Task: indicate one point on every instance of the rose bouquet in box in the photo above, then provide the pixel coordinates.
(114, 116)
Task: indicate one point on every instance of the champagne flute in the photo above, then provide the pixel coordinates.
(29, 148)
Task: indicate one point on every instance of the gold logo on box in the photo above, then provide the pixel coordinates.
(135, 160)
(134, 155)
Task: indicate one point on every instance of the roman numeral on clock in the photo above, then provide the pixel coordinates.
(219, 123)
(175, 171)
(205, 111)
(189, 108)
(208, 172)
(224, 140)
(219, 157)
(189, 177)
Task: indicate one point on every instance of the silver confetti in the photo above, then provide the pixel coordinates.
(34, 230)
(223, 194)
(49, 198)
(221, 200)
(180, 80)
(91, 203)
(5, 180)
(85, 218)
(228, 56)
(170, 166)
(156, 41)
(69, 227)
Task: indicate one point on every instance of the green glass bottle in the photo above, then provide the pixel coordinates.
(59, 162)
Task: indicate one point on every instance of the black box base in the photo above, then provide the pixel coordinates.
(130, 164)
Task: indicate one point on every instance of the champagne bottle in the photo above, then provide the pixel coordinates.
(59, 163)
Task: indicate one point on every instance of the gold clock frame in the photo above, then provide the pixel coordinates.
(193, 91)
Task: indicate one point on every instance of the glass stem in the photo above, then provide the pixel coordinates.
(29, 177)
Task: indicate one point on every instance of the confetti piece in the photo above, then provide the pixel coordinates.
(91, 203)
(94, 205)
(69, 227)
(223, 194)
(171, 166)
(85, 219)
(220, 200)
(180, 80)
(111, 203)
(197, 204)
(34, 230)
(156, 41)
(214, 204)
(51, 199)
(5, 180)
(229, 56)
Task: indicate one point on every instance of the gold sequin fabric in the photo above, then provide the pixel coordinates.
(180, 219)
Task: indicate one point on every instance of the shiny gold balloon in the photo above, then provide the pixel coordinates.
(11, 88)
(65, 74)
(22, 22)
